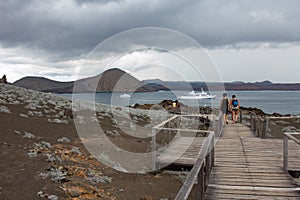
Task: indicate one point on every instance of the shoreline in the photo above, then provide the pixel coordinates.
(270, 102)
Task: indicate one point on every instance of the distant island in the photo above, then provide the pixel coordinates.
(116, 80)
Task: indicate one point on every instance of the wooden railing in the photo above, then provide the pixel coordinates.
(202, 168)
(261, 124)
(200, 171)
(286, 137)
(172, 125)
(187, 110)
(174, 119)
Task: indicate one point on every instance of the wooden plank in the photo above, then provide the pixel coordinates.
(251, 168)
(245, 167)
(184, 151)
(268, 196)
(255, 188)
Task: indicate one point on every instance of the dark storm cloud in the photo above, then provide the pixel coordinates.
(67, 28)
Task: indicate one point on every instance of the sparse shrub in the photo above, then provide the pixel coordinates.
(63, 140)
(4, 109)
(43, 146)
(55, 174)
(75, 150)
(28, 135)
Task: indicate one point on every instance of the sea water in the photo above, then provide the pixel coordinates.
(284, 102)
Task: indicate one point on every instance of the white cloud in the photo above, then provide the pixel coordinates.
(258, 64)
(53, 38)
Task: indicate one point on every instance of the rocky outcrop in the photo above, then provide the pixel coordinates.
(112, 80)
(44, 84)
(3, 79)
(260, 112)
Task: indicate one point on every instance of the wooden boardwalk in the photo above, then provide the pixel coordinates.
(245, 167)
(189, 145)
(251, 168)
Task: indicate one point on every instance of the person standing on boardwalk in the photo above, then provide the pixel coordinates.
(235, 108)
(224, 107)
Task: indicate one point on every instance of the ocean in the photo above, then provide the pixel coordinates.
(283, 102)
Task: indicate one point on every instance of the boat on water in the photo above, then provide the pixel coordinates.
(124, 96)
(198, 95)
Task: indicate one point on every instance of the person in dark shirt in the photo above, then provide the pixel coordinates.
(224, 107)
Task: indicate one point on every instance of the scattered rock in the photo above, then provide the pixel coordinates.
(74, 192)
(23, 115)
(52, 197)
(17, 132)
(82, 191)
(68, 113)
(32, 154)
(44, 195)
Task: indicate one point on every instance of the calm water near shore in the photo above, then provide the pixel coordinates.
(284, 102)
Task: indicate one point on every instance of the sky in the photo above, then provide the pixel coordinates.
(245, 40)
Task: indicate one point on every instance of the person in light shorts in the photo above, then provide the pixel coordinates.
(235, 108)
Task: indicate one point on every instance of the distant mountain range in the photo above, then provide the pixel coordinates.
(111, 80)
(119, 81)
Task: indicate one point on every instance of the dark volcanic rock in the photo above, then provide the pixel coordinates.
(3, 79)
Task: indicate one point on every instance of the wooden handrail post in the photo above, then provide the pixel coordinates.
(178, 121)
(267, 127)
(200, 187)
(251, 122)
(154, 149)
(258, 127)
(285, 152)
(207, 168)
(217, 128)
(286, 137)
(241, 116)
(213, 150)
(254, 124)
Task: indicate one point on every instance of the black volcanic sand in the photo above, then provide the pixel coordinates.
(23, 177)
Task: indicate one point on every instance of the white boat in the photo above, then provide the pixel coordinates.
(198, 95)
(124, 96)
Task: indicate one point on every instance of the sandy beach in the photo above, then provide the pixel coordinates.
(42, 156)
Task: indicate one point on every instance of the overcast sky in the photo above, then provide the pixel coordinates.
(248, 40)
